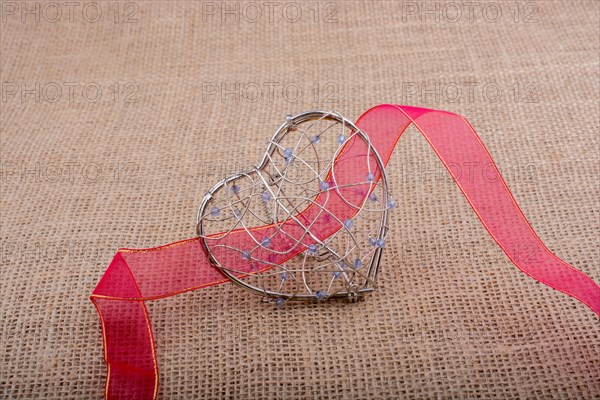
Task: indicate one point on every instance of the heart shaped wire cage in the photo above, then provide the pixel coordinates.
(310, 221)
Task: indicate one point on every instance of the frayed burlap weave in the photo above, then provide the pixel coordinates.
(116, 118)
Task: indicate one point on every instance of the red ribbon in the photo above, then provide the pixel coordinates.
(138, 275)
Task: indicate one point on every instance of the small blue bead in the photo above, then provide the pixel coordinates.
(391, 203)
(373, 241)
(265, 242)
(370, 177)
(284, 276)
(341, 139)
(215, 211)
(380, 243)
(337, 274)
(315, 139)
(357, 263)
(237, 213)
(287, 153)
(320, 294)
(373, 197)
(348, 224)
(266, 196)
(324, 185)
(245, 255)
(235, 189)
(312, 249)
(279, 302)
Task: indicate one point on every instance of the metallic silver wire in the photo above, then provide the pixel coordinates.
(332, 258)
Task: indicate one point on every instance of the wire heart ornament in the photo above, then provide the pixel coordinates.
(309, 221)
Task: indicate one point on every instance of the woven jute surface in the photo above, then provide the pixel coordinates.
(117, 117)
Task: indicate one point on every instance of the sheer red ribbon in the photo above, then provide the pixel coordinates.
(138, 275)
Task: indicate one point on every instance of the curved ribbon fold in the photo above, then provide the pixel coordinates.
(138, 275)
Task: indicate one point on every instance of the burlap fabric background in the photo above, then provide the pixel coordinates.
(191, 93)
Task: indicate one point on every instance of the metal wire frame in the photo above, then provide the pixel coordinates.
(332, 260)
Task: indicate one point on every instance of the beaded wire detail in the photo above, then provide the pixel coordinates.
(310, 221)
